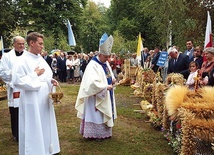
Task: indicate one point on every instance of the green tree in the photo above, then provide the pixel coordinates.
(123, 47)
(49, 16)
(93, 25)
(161, 13)
(8, 20)
(129, 19)
(156, 19)
(125, 19)
(197, 12)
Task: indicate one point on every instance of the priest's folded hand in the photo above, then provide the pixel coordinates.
(39, 71)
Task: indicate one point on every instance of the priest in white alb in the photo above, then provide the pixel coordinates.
(38, 133)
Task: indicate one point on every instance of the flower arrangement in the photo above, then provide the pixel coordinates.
(174, 140)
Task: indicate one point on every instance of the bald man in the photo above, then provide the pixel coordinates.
(178, 62)
(8, 61)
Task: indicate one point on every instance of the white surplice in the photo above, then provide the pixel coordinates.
(8, 60)
(93, 101)
(38, 133)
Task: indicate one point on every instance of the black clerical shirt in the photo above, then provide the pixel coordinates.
(18, 53)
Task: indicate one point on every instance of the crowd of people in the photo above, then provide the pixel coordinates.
(181, 62)
(177, 62)
(71, 67)
(30, 76)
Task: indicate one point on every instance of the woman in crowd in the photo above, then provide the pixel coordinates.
(70, 70)
(207, 65)
(76, 64)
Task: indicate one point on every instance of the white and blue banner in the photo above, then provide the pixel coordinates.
(71, 39)
(162, 59)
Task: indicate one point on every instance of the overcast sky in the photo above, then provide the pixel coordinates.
(106, 2)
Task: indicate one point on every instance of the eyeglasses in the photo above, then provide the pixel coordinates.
(192, 66)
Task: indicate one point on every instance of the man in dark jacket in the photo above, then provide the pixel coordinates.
(178, 62)
(61, 67)
(190, 49)
(154, 65)
(197, 55)
(47, 58)
(144, 55)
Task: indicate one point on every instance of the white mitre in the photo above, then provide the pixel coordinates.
(106, 44)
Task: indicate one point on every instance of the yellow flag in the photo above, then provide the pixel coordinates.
(0, 44)
(139, 47)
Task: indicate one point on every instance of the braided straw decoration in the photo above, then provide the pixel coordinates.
(194, 127)
(148, 75)
(160, 98)
(153, 96)
(175, 78)
(147, 92)
(188, 144)
(197, 118)
(166, 121)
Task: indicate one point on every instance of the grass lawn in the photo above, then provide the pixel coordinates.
(131, 135)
